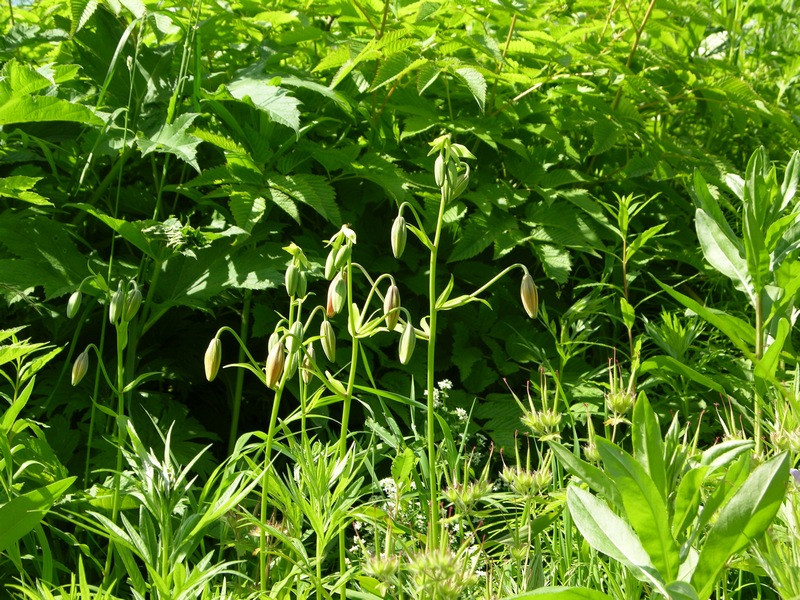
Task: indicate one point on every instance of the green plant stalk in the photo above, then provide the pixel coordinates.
(759, 351)
(433, 484)
(237, 392)
(351, 380)
(122, 335)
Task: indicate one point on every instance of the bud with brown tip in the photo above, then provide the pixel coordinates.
(133, 300)
(529, 295)
(213, 358)
(328, 340)
(275, 361)
(391, 306)
(398, 236)
(408, 340)
(73, 304)
(337, 294)
(80, 367)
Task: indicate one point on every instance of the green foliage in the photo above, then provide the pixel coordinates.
(175, 149)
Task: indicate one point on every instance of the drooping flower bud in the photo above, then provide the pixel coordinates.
(344, 253)
(529, 295)
(73, 304)
(337, 294)
(407, 341)
(398, 236)
(391, 306)
(117, 306)
(291, 365)
(328, 340)
(275, 361)
(308, 363)
(329, 264)
(80, 366)
(295, 337)
(302, 285)
(291, 279)
(133, 300)
(213, 358)
(439, 170)
(273, 340)
(461, 184)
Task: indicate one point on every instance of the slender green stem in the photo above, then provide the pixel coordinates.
(433, 484)
(237, 392)
(759, 353)
(273, 420)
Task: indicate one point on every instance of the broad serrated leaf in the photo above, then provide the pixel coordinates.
(311, 190)
(390, 69)
(19, 187)
(46, 255)
(174, 138)
(605, 132)
(476, 84)
(556, 262)
(475, 237)
(427, 74)
(31, 109)
(81, 11)
(273, 100)
(247, 209)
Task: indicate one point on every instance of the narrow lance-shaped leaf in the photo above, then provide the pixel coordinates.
(742, 520)
(644, 507)
(609, 534)
(723, 253)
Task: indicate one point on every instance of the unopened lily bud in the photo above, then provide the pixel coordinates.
(80, 367)
(529, 295)
(291, 279)
(302, 285)
(308, 363)
(117, 306)
(452, 173)
(273, 340)
(461, 184)
(73, 304)
(328, 340)
(337, 294)
(213, 358)
(295, 337)
(407, 342)
(329, 264)
(291, 365)
(275, 361)
(439, 170)
(133, 300)
(344, 253)
(398, 236)
(391, 306)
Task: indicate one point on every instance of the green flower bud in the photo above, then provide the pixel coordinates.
(73, 304)
(330, 268)
(407, 341)
(274, 339)
(291, 279)
(398, 236)
(213, 358)
(391, 306)
(80, 367)
(461, 184)
(133, 300)
(291, 365)
(275, 361)
(337, 294)
(342, 255)
(302, 285)
(117, 306)
(308, 363)
(328, 340)
(295, 338)
(439, 170)
(529, 295)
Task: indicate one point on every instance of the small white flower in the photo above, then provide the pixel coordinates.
(461, 414)
(445, 384)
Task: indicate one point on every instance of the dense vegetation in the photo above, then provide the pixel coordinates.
(399, 299)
